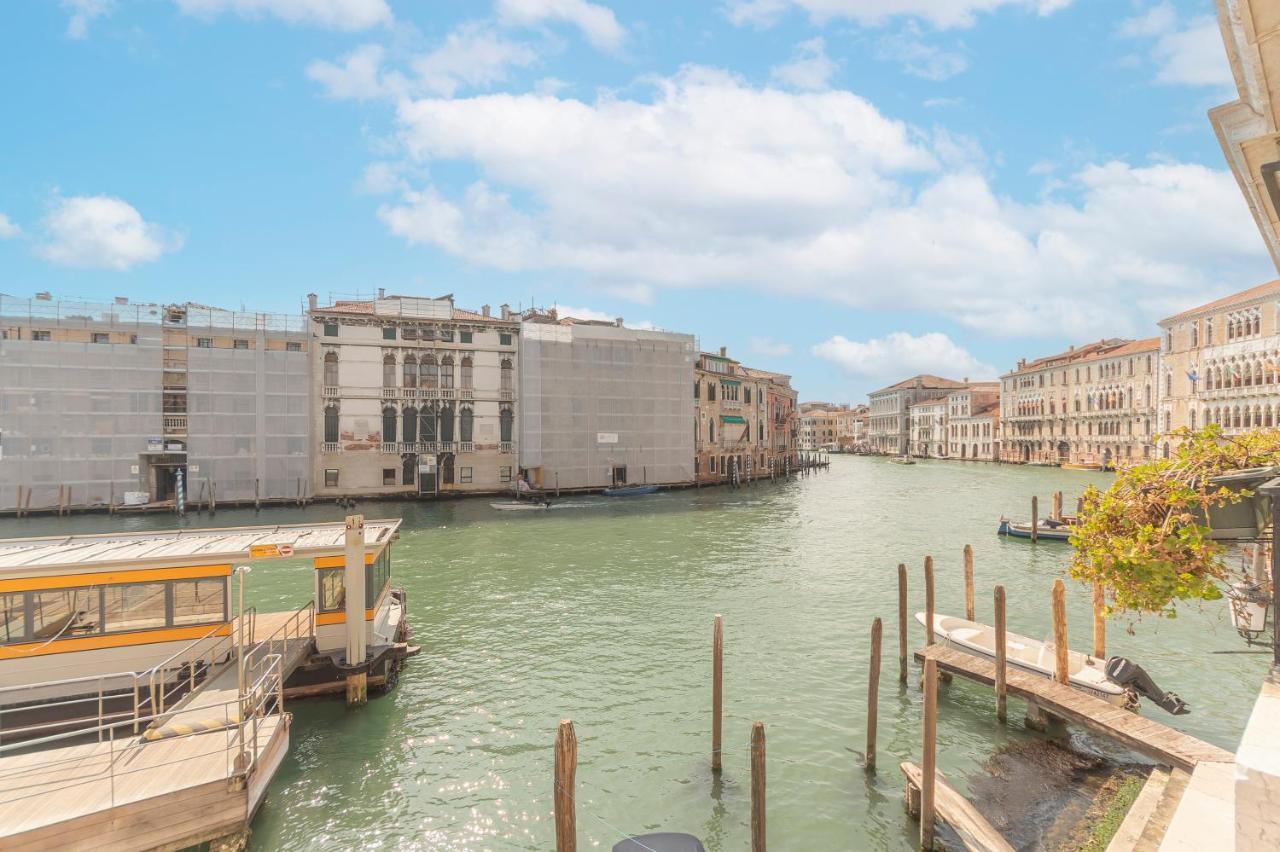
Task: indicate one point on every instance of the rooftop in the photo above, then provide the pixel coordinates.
(1268, 289)
(925, 380)
(415, 307)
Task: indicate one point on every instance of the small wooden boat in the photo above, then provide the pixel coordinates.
(1081, 466)
(630, 490)
(1085, 673)
(1047, 530)
(902, 460)
(522, 506)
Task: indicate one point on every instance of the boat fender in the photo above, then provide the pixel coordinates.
(182, 729)
(1124, 672)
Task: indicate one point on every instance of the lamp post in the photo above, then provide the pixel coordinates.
(241, 572)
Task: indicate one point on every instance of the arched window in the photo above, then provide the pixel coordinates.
(508, 375)
(389, 371)
(430, 372)
(711, 431)
(1270, 415)
(1192, 415)
(410, 371)
(331, 369)
(429, 423)
(466, 379)
(446, 423)
(446, 372)
(331, 424)
(1235, 417)
(408, 470)
(410, 420)
(388, 425)
(466, 425)
(506, 423)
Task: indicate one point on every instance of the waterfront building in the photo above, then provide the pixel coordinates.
(929, 428)
(973, 422)
(1220, 363)
(1093, 404)
(783, 429)
(413, 397)
(889, 431)
(851, 428)
(818, 425)
(734, 426)
(604, 404)
(117, 403)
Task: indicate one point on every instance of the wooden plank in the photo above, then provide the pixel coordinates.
(955, 810)
(1144, 736)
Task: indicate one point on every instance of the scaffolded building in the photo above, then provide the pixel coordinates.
(113, 405)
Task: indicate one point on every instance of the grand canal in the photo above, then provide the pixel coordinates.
(600, 611)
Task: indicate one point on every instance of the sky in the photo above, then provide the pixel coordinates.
(848, 191)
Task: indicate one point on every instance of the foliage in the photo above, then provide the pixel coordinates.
(1144, 538)
(1106, 826)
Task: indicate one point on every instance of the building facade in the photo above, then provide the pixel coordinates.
(889, 423)
(819, 426)
(131, 404)
(413, 397)
(973, 422)
(604, 404)
(1220, 363)
(851, 428)
(1094, 404)
(736, 409)
(929, 428)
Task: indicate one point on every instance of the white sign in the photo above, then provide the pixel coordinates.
(606, 437)
(193, 468)
(133, 469)
(426, 464)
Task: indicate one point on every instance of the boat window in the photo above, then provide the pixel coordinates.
(13, 613)
(64, 612)
(332, 597)
(138, 606)
(201, 601)
(376, 577)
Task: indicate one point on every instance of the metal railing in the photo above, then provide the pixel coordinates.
(300, 625)
(185, 662)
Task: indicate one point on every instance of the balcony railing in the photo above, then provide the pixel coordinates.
(390, 393)
(466, 447)
(428, 393)
(329, 390)
(446, 393)
(389, 447)
(506, 394)
(330, 447)
(730, 403)
(466, 393)
(507, 447)
(175, 424)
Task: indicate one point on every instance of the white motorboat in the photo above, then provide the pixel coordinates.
(522, 506)
(1086, 673)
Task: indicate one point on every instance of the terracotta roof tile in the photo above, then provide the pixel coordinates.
(1235, 298)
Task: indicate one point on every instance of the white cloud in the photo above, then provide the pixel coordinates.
(901, 354)
(583, 313)
(1190, 53)
(940, 13)
(769, 348)
(918, 58)
(82, 14)
(381, 178)
(101, 231)
(473, 55)
(942, 103)
(345, 15)
(809, 69)
(597, 23)
(714, 183)
(8, 229)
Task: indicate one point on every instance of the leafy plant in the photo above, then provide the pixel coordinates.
(1144, 538)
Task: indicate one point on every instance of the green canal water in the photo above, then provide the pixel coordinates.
(601, 610)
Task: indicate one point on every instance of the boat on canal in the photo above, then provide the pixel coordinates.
(902, 460)
(630, 490)
(540, 505)
(1085, 673)
(1047, 529)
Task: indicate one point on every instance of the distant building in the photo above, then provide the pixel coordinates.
(973, 422)
(118, 403)
(414, 396)
(1220, 363)
(851, 428)
(604, 404)
(889, 431)
(1093, 404)
(735, 408)
(929, 428)
(819, 425)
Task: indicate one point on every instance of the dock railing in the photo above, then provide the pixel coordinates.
(299, 625)
(186, 663)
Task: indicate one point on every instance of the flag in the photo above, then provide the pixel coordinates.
(1193, 375)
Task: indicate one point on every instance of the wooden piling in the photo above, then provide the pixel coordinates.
(1001, 656)
(213, 496)
(929, 761)
(1035, 517)
(873, 693)
(18, 505)
(1099, 622)
(566, 770)
(717, 688)
(928, 599)
(1079, 506)
(902, 623)
(1060, 671)
(968, 582)
(1057, 505)
(757, 787)
(257, 495)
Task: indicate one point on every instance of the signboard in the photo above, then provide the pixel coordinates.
(606, 437)
(155, 445)
(270, 551)
(133, 468)
(426, 463)
(193, 468)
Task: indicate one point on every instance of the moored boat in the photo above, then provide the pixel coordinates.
(522, 506)
(902, 460)
(1048, 530)
(1081, 466)
(630, 490)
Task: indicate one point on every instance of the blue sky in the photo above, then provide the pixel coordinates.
(845, 190)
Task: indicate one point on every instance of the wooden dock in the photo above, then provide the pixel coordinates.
(1147, 737)
(956, 811)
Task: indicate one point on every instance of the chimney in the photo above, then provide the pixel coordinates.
(724, 352)
(618, 322)
(966, 380)
(382, 292)
(312, 301)
(506, 311)
(484, 310)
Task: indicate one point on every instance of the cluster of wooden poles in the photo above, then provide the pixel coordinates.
(1055, 511)
(566, 743)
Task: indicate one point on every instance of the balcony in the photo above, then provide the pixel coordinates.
(329, 390)
(466, 393)
(446, 393)
(330, 448)
(507, 447)
(506, 394)
(174, 424)
(731, 404)
(390, 393)
(466, 447)
(389, 447)
(428, 393)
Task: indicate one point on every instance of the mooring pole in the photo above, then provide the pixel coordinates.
(757, 787)
(902, 623)
(929, 762)
(717, 689)
(1001, 654)
(928, 600)
(968, 582)
(873, 693)
(1035, 517)
(1099, 622)
(354, 604)
(1060, 649)
(566, 770)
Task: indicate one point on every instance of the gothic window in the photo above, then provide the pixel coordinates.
(508, 375)
(446, 372)
(389, 371)
(506, 423)
(331, 369)
(410, 422)
(410, 371)
(429, 423)
(388, 425)
(466, 424)
(467, 381)
(331, 424)
(430, 372)
(446, 423)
